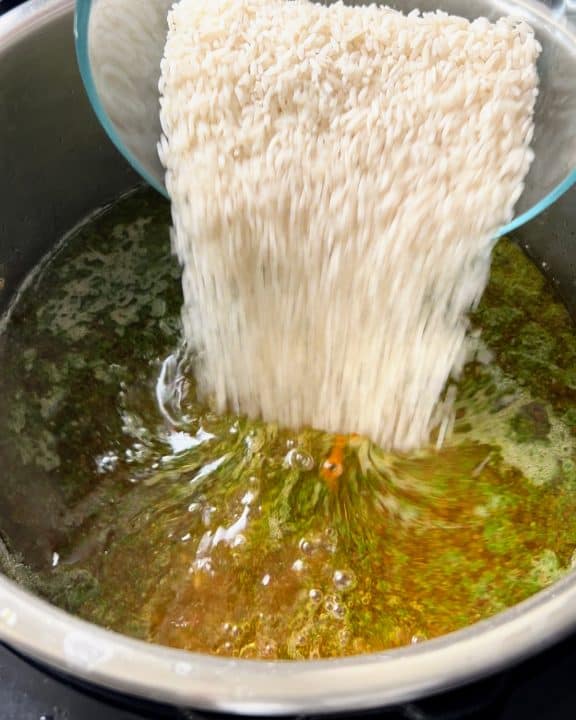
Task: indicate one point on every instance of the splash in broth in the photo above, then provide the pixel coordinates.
(127, 502)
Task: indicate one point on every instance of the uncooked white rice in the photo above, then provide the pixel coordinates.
(337, 176)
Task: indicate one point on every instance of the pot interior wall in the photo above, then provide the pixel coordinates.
(56, 163)
(550, 240)
(56, 166)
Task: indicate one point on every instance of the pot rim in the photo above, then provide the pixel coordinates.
(255, 687)
(159, 673)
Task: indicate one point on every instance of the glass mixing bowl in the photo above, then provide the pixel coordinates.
(119, 45)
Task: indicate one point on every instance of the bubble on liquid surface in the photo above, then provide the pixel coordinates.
(225, 649)
(315, 595)
(306, 546)
(299, 460)
(268, 648)
(231, 629)
(343, 579)
(334, 607)
(344, 637)
(298, 565)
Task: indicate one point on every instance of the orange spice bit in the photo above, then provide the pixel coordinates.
(333, 466)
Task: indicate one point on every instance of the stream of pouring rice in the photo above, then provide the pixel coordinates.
(337, 176)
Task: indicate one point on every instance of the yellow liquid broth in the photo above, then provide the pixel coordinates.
(228, 536)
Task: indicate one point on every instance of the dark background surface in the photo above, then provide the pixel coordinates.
(8, 5)
(543, 688)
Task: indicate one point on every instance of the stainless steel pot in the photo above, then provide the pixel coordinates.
(55, 166)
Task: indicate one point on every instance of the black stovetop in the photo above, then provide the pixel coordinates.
(543, 688)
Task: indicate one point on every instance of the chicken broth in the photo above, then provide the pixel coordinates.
(129, 503)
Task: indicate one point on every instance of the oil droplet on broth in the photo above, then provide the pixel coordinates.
(222, 535)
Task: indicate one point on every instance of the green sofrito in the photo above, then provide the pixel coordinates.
(127, 502)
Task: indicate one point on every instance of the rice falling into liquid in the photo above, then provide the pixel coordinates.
(337, 176)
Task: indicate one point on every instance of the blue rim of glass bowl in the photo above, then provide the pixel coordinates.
(81, 18)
